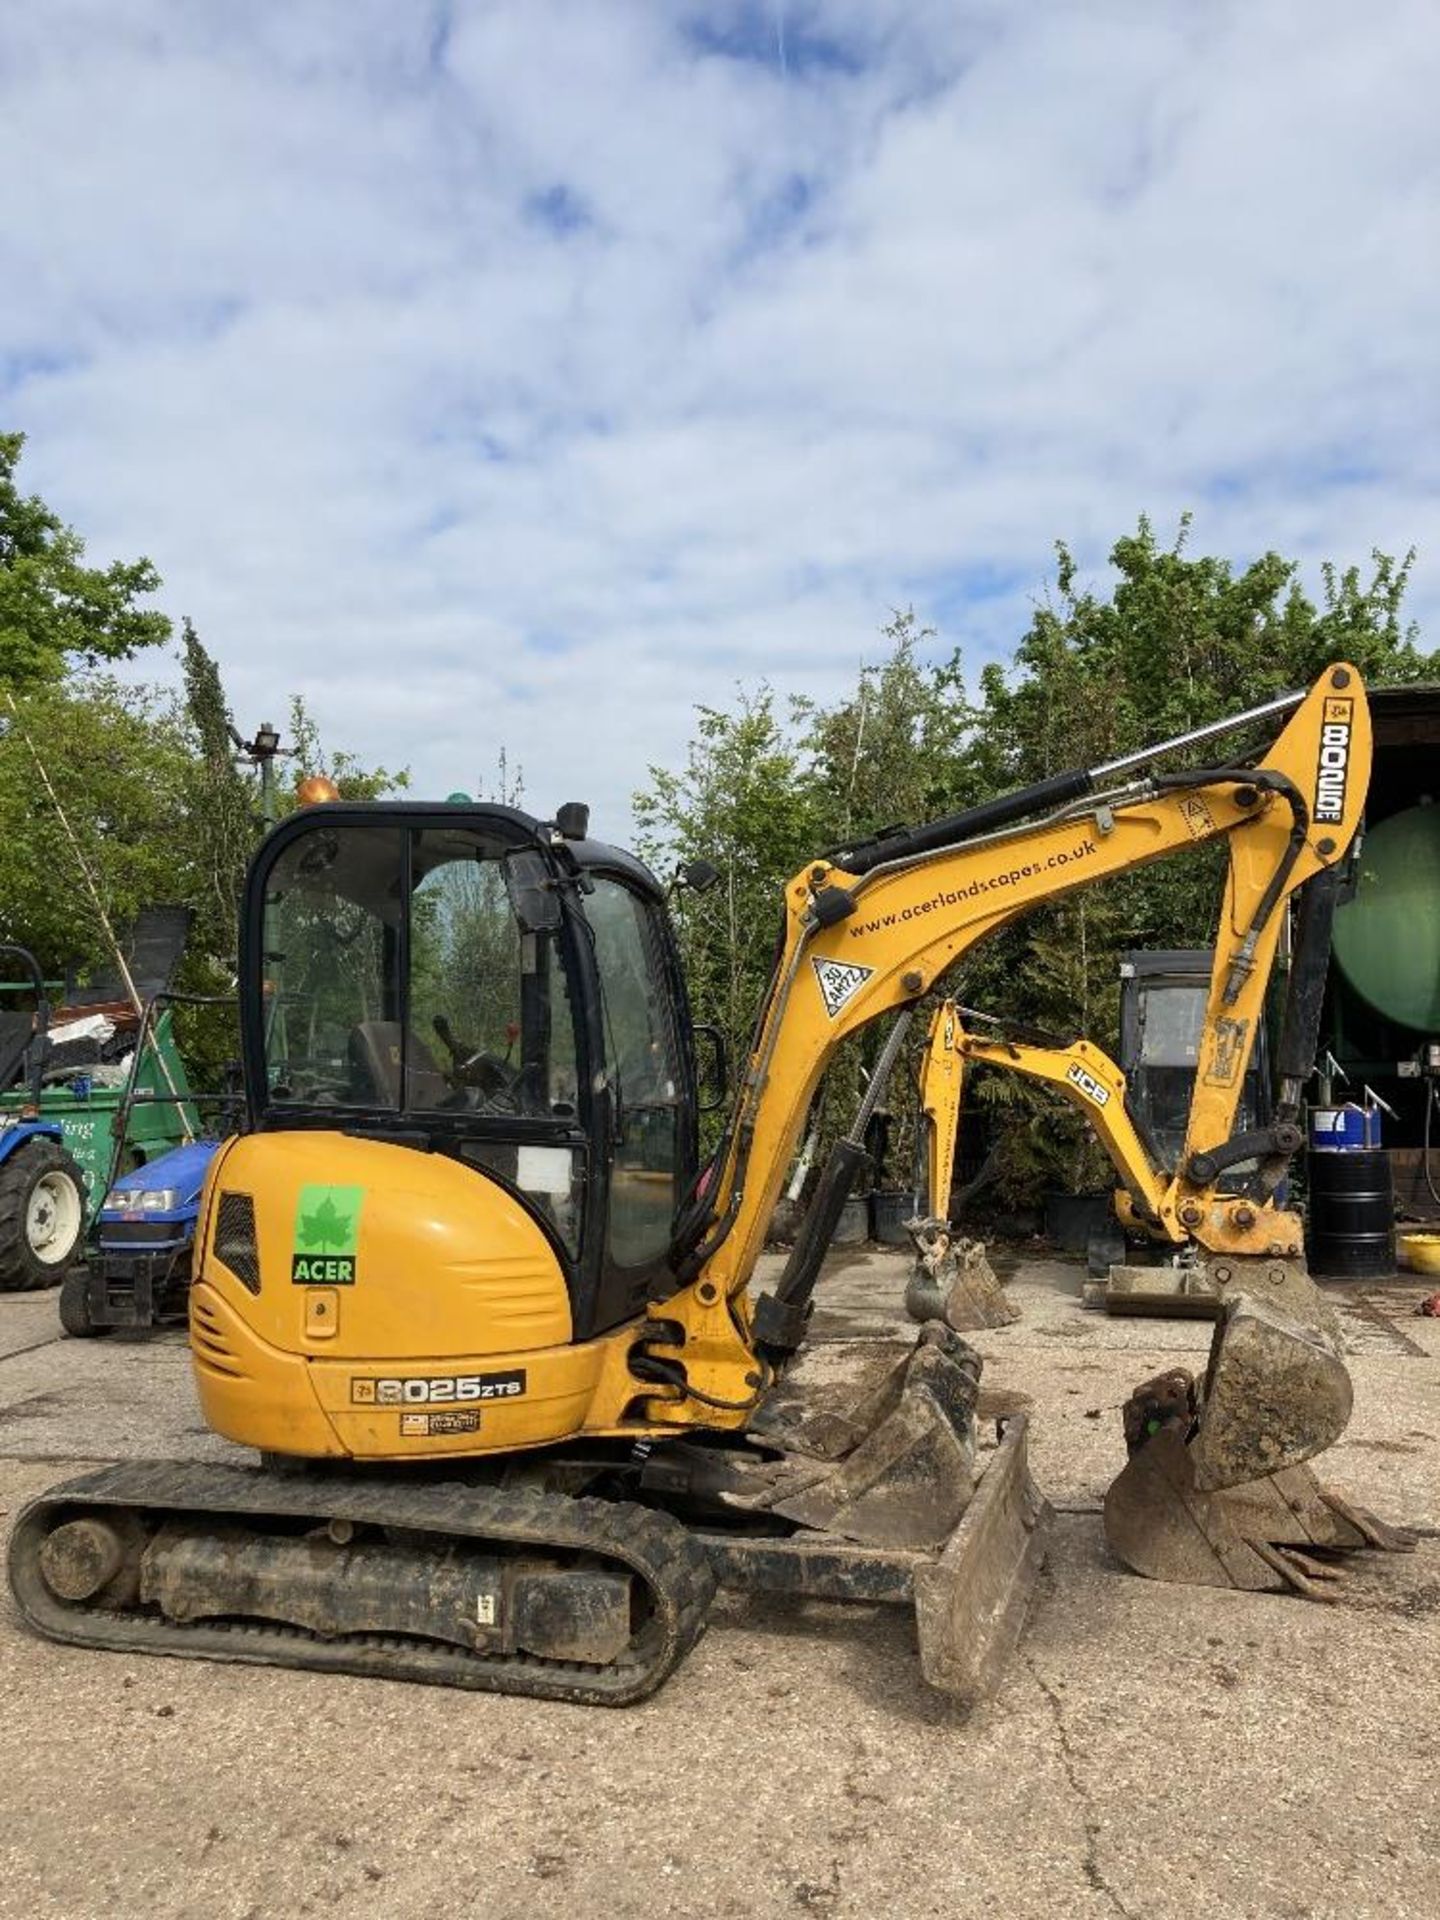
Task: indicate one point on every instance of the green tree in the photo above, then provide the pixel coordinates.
(155, 811)
(54, 610)
(116, 758)
(745, 802)
(221, 802)
(1177, 641)
(897, 749)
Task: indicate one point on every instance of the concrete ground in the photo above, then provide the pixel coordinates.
(1154, 1751)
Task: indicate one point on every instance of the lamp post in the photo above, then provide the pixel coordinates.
(262, 752)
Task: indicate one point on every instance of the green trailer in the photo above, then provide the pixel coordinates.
(161, 1112)
(151, 1110)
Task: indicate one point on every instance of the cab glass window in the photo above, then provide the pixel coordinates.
(643, 1069)
(331, 957)
(398, 977)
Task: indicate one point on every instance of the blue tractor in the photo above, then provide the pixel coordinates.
(136, 1270)
(42, 1186)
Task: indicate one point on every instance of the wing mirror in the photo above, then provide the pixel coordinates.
(698, 875)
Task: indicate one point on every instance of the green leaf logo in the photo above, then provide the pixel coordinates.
(327, 1219)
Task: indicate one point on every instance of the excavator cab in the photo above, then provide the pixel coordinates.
(1163, 994)
(470, 983)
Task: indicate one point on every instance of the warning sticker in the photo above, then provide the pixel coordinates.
(1228, 1051)
(839, 982)
(1197, 816)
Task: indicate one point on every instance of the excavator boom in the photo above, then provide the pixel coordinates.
(874, 930)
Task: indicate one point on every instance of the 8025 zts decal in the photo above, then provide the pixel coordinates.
(432, 1391)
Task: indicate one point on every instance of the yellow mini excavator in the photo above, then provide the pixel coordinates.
(1180, 1209)
(465, 1286)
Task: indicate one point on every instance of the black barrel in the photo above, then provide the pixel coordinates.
(1351, 1228)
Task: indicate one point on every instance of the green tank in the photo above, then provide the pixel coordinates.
(1387, 939)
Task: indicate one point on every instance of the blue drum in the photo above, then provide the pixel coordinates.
(1348, 1129)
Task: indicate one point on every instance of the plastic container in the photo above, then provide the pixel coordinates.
(1346, 1129)
(1421, 1252)
(1071, 1218)
(1351, 1229)
(853, 1227)
(889, 1211)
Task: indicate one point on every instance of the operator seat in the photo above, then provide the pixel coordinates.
(374, 1057)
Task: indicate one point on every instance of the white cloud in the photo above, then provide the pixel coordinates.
(520, 374)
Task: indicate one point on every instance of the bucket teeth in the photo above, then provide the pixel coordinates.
(1217, 1492)
(1283, 1531)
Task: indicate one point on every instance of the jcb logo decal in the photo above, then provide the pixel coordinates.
(1333, 772)
(1088, 1084)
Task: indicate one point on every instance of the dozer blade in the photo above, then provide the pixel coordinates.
(970, 1604)
(889, 1508)
(953, 1281)
(1198, 1290)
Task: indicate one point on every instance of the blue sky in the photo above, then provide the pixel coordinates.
(521, 374)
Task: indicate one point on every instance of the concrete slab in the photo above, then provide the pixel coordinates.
(1154, 1751)
(27, 1320)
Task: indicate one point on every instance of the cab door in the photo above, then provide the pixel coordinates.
(649, 1083)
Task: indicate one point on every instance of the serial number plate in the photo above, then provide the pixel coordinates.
(420, 1425)
(394, 1390)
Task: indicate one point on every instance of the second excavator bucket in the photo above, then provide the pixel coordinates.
(954, 1281)
(1216, 1491)
(1276, 1393)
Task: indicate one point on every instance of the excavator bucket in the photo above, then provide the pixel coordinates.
(889, 1506)
(1276, 1393)
(1216, 1491)
(954, 1281)
(898, 1469)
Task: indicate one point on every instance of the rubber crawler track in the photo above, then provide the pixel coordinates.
(656, 1549)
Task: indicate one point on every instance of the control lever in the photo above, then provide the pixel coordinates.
(442, 1028)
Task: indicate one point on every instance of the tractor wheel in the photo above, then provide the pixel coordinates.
(42, 1215)
(75, 1305)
